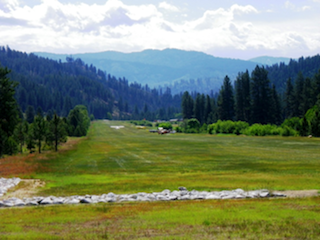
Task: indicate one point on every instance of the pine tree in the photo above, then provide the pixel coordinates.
(187, 106)
(207, 110)
(316, 86)
(58, 131)
(243, 97)
(8, 112)
(275, 107)
(289, 100)
(298, 96)
(199, 108)
(30, 114)
(39, 130)
(20, 133)
(307, 98)
(226, 101)
(261, 96)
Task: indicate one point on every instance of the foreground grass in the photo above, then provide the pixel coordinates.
(130, 160)
(226, 219)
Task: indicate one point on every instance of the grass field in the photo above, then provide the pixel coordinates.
(130, 160)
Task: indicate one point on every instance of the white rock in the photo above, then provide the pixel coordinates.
(212, 196)
(86, 200)
(46, 201)
(32, 203)
(264, 194)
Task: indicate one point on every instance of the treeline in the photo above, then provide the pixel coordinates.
(200, 85)
(280, 73)
(57, 86)
(253, 99)
(34, 130)
(60, 86)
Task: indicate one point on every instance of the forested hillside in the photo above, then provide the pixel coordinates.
(280, 73)
(160, 67)
(59, 86)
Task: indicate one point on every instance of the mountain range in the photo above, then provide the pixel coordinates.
(168, 67)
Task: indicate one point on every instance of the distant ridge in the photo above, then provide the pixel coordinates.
(267, 60)
(160, 67)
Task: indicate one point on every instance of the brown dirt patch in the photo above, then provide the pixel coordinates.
(26, 188)
(25, 165)
(19, 164)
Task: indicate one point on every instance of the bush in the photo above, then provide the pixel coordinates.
(269, 130)
(204, 128)
(287, 131)
(192, 126)
(294, 123)
(178, 129)
(227, 127)
(166, 125)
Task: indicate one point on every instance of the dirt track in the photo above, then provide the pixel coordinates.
(26, 188)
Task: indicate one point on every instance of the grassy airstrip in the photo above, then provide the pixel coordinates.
(133, 160)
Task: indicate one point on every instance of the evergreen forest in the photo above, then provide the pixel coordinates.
(44, 100)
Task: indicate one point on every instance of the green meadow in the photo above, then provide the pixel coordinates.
(131, 160)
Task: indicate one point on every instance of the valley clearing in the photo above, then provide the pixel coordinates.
(131, 160)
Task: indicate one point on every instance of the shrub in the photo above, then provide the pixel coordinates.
(178, 129)
(287, 131)
(267, 129)
(294, 123)
(227, 127)
(190, 126)
(166, 125)
(204, 128)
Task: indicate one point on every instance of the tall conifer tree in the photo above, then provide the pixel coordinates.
(8, 112)
(226, 101)
(261, 96)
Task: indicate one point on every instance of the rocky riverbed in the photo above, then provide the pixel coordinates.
(166, 195)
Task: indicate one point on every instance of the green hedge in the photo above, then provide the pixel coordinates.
(240, 127)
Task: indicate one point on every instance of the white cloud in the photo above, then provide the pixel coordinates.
(168, 7)
(289, 5)
(69, 28)
(236, 9)
(304, 8)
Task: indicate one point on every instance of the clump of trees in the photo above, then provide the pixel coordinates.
(34, 130)
(254, 100)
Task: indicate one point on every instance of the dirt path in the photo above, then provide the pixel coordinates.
(26, 188)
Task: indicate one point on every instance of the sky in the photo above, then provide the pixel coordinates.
(240, 29)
